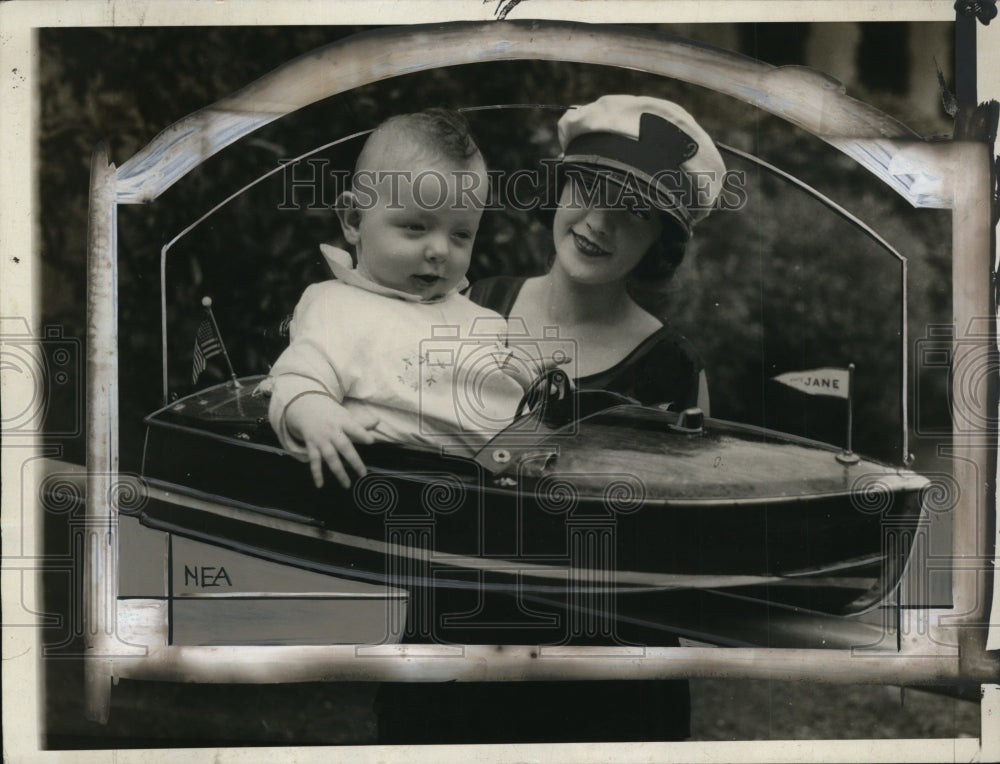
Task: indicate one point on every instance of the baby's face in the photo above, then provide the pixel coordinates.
(414, 230)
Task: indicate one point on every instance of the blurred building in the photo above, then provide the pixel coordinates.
(892, 65)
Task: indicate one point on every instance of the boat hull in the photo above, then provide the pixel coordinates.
(548, 541)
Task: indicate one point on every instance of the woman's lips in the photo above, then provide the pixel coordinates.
(587, 247)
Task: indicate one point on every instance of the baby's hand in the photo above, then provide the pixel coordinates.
(327, 429)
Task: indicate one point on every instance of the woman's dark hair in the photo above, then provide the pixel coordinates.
(667, 253)
(661, 260)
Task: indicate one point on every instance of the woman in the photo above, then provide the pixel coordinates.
(636, 174)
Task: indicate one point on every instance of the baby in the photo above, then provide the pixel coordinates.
(367, 361)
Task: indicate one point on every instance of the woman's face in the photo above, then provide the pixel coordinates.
(600, 243)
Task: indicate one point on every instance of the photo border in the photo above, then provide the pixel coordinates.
(18, 209)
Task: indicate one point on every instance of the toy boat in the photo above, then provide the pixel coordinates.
(596, 506)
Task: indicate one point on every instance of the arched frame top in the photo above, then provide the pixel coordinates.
(804, 97)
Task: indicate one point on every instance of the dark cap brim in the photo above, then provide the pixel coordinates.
(632, 181)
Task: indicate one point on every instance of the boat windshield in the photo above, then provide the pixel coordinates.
(769, 286)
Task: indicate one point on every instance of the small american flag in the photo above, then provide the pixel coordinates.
(206, 345)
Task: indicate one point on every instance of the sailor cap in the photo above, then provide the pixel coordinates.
(649, 145)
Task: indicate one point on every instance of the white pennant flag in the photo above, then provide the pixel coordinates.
(826, 381)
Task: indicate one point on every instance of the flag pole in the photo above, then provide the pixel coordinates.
(207, 303)
(847, 456)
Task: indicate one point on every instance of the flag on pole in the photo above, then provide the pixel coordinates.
(206, 345)
(832, 382)
(825, 381)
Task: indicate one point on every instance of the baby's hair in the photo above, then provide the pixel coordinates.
(444, 130)
(439, 132)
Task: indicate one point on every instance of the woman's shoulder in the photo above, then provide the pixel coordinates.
(663, 368)
(496, 293)
(667, 342)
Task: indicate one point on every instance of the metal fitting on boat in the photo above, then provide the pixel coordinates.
(690, 420)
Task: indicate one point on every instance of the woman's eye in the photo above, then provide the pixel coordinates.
(414, 227)
(641, 213)
(463, 235)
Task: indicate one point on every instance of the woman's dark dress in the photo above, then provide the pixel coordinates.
(664, 368)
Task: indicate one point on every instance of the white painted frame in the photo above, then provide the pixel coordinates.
(953, 175)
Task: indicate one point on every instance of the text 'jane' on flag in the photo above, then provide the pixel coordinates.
(826, 381)
(829, 381)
